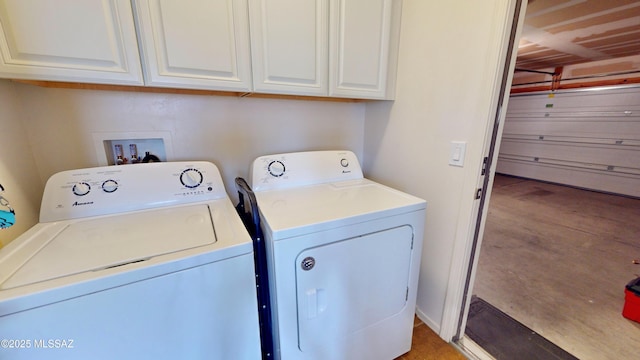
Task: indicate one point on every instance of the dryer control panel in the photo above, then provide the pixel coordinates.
(115, 189)
(289, 170)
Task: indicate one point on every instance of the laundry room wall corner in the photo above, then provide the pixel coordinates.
(18, 173)
(448, 64)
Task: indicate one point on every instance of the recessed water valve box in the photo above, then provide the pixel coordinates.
(133, 151)
(121, 148)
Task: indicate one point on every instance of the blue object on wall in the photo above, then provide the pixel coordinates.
(7, 217)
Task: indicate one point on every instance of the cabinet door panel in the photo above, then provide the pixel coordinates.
(203, 44)
(360, 45)
(289, 46)
(68, 40)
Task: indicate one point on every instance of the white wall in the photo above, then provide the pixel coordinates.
(18, 173)
(228, 131)
(450, 62)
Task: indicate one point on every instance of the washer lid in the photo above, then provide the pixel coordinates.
(111, 241)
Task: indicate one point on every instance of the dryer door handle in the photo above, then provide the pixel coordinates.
(316, 302)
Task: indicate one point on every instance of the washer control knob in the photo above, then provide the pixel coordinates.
(344, 162)
(109, 186)
(276, 168)
(191, 178)
(81, 188)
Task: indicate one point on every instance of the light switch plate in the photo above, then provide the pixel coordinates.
(456, 155)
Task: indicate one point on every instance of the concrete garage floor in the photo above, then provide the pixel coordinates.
(557, 259)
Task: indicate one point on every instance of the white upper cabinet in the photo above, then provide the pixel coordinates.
(202, 44)
(361, 46)
(69, 40)
(331, 48)
(289, 46)
(338, 48)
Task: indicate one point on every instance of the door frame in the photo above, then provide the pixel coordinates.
(465, 260)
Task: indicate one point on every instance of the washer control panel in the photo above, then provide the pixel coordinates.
(303, 168)
(115, 189)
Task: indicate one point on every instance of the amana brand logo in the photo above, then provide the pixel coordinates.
(82, 203)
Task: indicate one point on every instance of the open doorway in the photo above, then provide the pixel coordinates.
(555, 259)
(546, 246)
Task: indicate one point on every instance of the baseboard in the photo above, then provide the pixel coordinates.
(430, 323)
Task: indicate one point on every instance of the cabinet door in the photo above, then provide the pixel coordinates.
(200, 44)
(363, 48)
(289, 46)
(69, 40)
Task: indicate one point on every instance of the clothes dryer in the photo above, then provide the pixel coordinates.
(145, 261)
(343, 254)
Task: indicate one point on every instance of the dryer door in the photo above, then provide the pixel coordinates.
(346, 286)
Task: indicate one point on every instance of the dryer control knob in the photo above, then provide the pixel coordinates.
(191, 178)
(276, 168)
(81, 188)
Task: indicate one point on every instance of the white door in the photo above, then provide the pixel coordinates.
(203, 44)
(289, 46)
(69, 40)
(360, 43)
(346, 286)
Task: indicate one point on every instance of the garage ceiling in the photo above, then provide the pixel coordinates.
(566, 32)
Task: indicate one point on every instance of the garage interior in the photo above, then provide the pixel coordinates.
(562, 229)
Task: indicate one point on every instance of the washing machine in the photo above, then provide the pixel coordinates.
(343, 255)
(145, 261)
